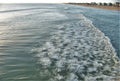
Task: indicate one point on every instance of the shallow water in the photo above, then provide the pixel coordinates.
(106, 20)
(27, 29)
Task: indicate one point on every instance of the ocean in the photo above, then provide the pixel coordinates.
(58, 42)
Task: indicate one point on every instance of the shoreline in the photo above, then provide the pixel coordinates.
(116, 8)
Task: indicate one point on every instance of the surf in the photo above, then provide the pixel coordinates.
(78, 51)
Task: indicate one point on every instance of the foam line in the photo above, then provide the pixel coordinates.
(78, 52)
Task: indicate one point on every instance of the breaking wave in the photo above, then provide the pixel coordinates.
(78, 51)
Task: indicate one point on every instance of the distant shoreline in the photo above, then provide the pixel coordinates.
(98, 6)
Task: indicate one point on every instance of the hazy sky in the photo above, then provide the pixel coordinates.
(51, 1)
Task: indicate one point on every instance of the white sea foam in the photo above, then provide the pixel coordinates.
(79, 52)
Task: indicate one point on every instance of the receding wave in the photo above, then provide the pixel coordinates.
(78, 51)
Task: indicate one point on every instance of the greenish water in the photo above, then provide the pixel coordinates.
(25, 29)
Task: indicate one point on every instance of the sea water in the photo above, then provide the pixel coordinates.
(58, 42)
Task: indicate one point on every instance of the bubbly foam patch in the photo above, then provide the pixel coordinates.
(78, 52)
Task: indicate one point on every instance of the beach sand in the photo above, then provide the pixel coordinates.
(104, 7)
(100, 6)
